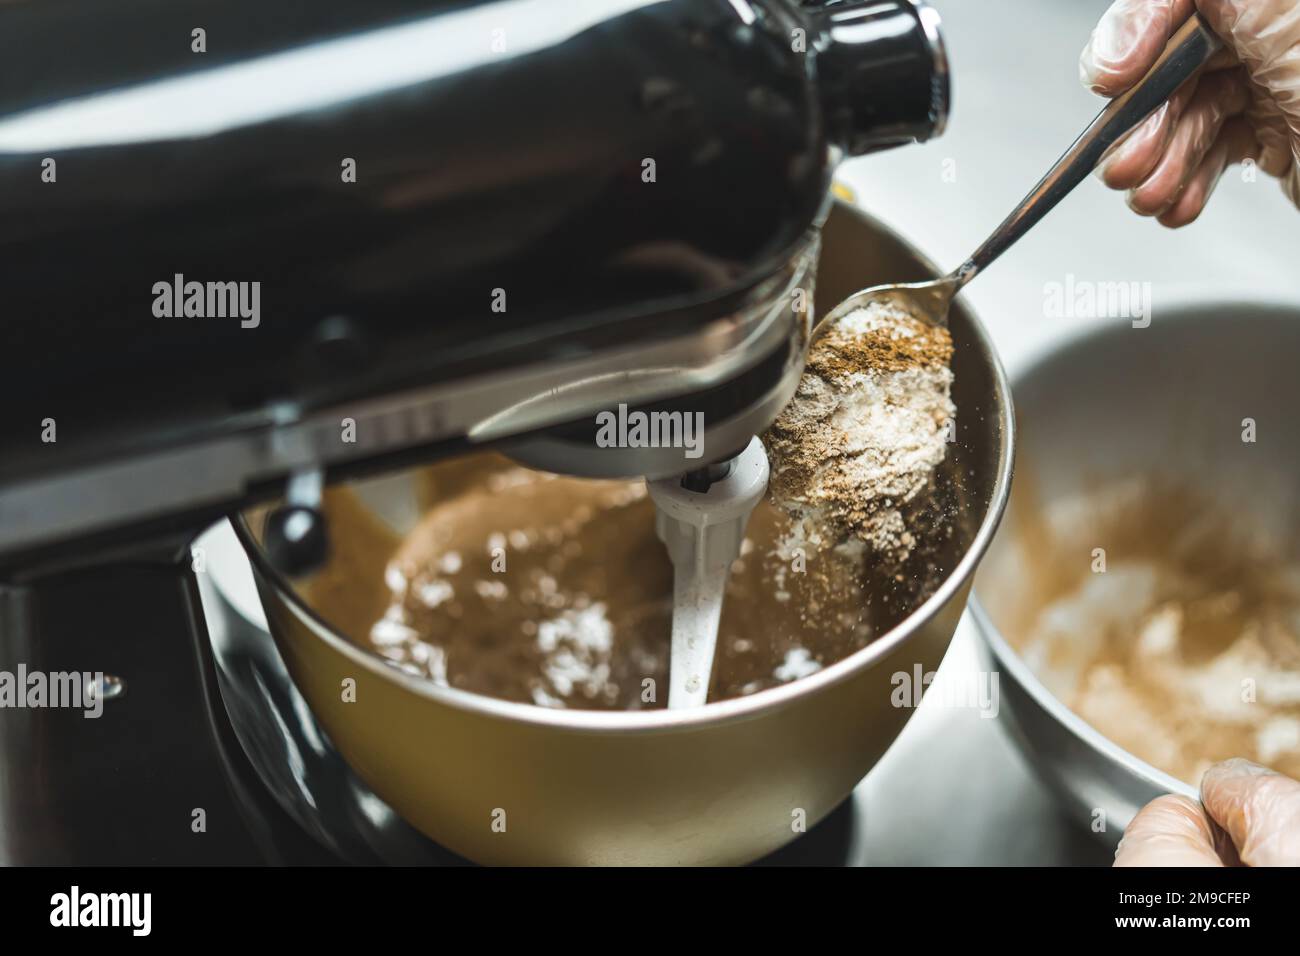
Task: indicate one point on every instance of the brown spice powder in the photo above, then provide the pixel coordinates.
(854, 453)
(907, 343)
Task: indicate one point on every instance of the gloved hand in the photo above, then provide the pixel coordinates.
(1245, 104)
(1247, 814)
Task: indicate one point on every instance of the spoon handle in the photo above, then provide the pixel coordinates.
(1187, 51)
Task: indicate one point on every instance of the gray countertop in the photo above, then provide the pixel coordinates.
(954, 789)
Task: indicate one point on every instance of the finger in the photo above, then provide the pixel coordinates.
(1218, 97)
(1260, 810)
(1261, 34)
(1169, 831)
(1291, 185)
(1131, 161)
(1236, 144)
(1128, 39)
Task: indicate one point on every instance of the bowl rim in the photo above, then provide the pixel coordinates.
(1026, 679)
(1005, 655)
(751, 706)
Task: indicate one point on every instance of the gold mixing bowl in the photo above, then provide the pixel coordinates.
(510, 783)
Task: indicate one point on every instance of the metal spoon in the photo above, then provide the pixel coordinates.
(1187, 51)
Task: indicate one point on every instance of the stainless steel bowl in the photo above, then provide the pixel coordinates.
(1165, 401)
(723, 784)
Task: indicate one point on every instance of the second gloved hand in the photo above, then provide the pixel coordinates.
(1245, 105)
(1247, 814)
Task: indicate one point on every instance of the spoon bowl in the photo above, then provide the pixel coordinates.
(925, 300)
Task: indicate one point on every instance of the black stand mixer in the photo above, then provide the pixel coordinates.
(251, 250)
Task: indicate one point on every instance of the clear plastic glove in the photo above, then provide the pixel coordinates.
(1244, 105)
(1247, 814)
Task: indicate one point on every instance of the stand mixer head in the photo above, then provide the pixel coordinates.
(616, 209)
